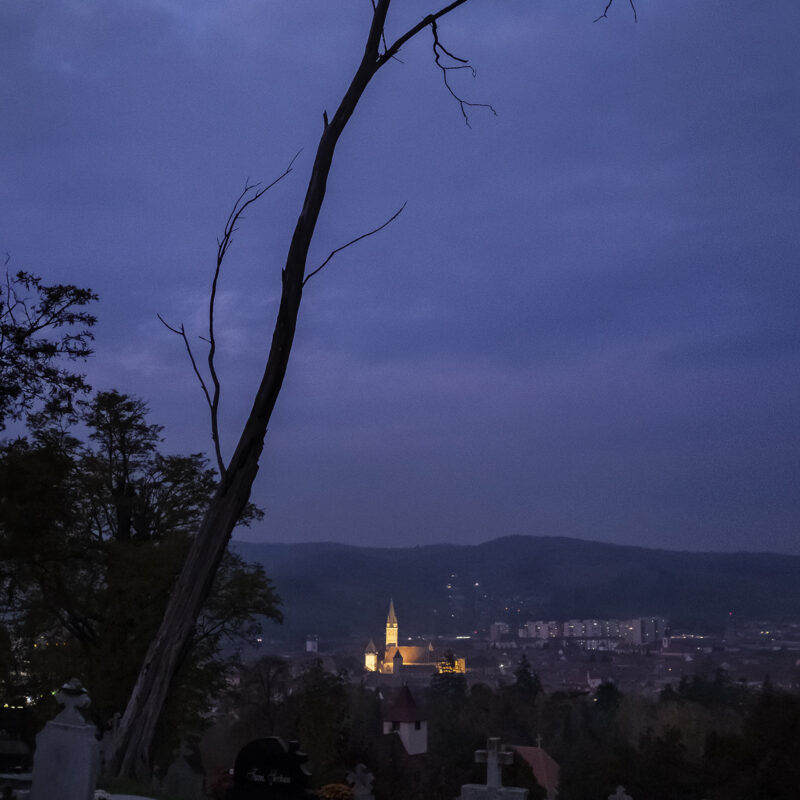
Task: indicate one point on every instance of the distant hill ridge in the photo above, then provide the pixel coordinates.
(338, 590)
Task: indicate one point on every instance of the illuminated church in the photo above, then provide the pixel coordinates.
(395, 657)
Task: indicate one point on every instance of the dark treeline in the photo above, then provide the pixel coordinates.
(707, 738)
(95, 522)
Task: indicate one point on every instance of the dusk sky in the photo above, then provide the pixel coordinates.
(585, 322)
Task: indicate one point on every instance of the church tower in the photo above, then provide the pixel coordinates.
(391, 626)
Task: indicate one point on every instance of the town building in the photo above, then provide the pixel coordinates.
(597, 634)
(396, 657)
(404, 718)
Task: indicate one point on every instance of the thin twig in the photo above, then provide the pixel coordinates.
(604, 15)
(383, 33)
(214, 436)
(242, 202)
(413, 31)
(438, 50)
(212, 397)
(353, 241)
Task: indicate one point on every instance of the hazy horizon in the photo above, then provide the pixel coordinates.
(365, 545)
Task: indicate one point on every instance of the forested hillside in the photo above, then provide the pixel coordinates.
(334, 589)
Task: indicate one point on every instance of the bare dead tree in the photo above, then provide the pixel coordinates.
(133, 743)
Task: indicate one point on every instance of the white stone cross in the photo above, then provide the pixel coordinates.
(493, 756)
(361, 780)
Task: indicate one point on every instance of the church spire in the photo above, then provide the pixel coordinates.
(391, 626)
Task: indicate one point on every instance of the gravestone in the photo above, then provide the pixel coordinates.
(361, 779)
(15, 767)
(185, 778)
(269, 769)
(15, 756)
(495, 758)
(66, 760)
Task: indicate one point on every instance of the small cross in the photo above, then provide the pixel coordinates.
(361, 780)
(539, 741)
(493, 756)
(72, 696)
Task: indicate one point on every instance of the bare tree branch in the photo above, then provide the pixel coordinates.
(438, 50)
(248, 196)
(214, 435)
(604, 15)
(383, 33)
(353, 241)
(242, 202)
(412, 32)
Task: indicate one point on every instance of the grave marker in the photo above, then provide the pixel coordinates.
(185, 778)
(361, 779)
(66, 760)
(495, 758)
(269, 769)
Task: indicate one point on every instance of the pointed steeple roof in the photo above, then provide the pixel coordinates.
(392, 618)
(371, 647)
(403, 707)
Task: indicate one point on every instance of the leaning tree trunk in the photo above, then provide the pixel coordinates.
(136, 731)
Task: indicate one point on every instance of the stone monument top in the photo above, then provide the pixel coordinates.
(495, 758)
(361, 779)
(72, 696)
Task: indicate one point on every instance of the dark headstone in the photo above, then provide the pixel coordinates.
(186, 778)
(269, 769)
(15, 756)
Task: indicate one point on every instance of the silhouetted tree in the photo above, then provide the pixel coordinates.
(91, 539)
(263, 686)
(41, 326)
(526, 683)
(321, 711)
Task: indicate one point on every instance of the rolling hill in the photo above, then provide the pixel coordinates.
(340, 590)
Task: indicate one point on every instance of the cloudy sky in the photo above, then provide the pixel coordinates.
(583, 324)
